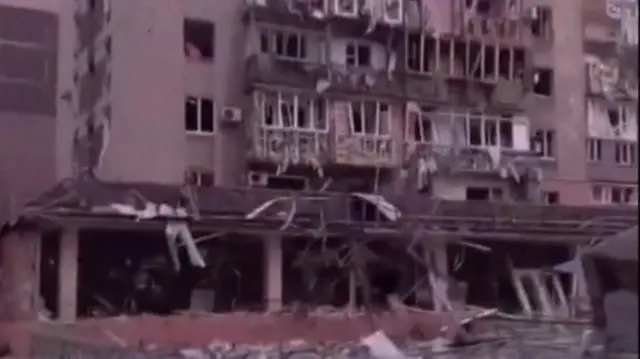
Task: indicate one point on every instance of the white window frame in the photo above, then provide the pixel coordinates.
(468, 117)
(594, 149)
(382, 118)
(293, 101)
(339, 11)
(422, 42)
(626, 150)
(356, 44)
(199, 130)
(387, 4)
(546, 197)
(411, 118)
(272, 36)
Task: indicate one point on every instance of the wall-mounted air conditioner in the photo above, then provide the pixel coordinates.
(231, 115)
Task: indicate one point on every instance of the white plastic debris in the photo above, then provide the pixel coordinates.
(381, 347)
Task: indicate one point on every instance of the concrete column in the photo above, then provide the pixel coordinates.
(20, 274)
(68, 276)
(273, 272)
(436, 256)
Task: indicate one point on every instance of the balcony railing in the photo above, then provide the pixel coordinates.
(293, 145)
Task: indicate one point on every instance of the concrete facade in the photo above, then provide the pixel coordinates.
(123, 65)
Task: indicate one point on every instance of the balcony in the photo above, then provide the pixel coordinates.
(490, 21)
(266, 69)
(465, 144)
(298, 129)
(290, 145)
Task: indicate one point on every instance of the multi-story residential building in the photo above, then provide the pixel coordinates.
(611, 100)
(421, 101)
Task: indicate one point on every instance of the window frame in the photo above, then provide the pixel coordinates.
(483, 118)
(547, 141)
(385, 14)
(194, 177)
(625, 153)
(415, 119)
(195, 22)
(594, 150)
(199, 120)
(357, 45)
(317, 110)
(352, 105)
(272, 35)
(628, 194)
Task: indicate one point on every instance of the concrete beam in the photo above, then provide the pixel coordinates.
(68, 276)
(273, 272)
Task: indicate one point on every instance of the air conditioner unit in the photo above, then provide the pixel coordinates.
(257, 179)
(231, 115)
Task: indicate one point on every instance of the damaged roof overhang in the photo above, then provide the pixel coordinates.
(225, 209)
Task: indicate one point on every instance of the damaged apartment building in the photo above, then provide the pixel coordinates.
(254, 155)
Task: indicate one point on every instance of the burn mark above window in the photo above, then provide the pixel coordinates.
(199, 39)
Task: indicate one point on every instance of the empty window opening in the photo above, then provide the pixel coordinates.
(284, 44)
(474, 69)
(505, 64)
(484, 194)
(199, 39)
(594, 149)
(370, 118)
(625, 153)
(541, 22)
(544, 143)
(485, 131)
(489, 70)
(358, 55)
(199, 115)
(551, 197)
(421, 127)
(420, 51)
(543, 82)
(200, 178)
(293, 111)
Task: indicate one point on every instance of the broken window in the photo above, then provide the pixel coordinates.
(420, 51)
(541, 25)
(551, 197)
(543, 82)
(486, 131)
(393, 11)
(625, 153)
(284, 44)
(370, 118)
(293, 111)
(546, 143)
(421, 126)
(358, 55)
(200, 178)
(199, 115)
(346, 7)
(594, 149)
(199, 39)
(484, 194)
